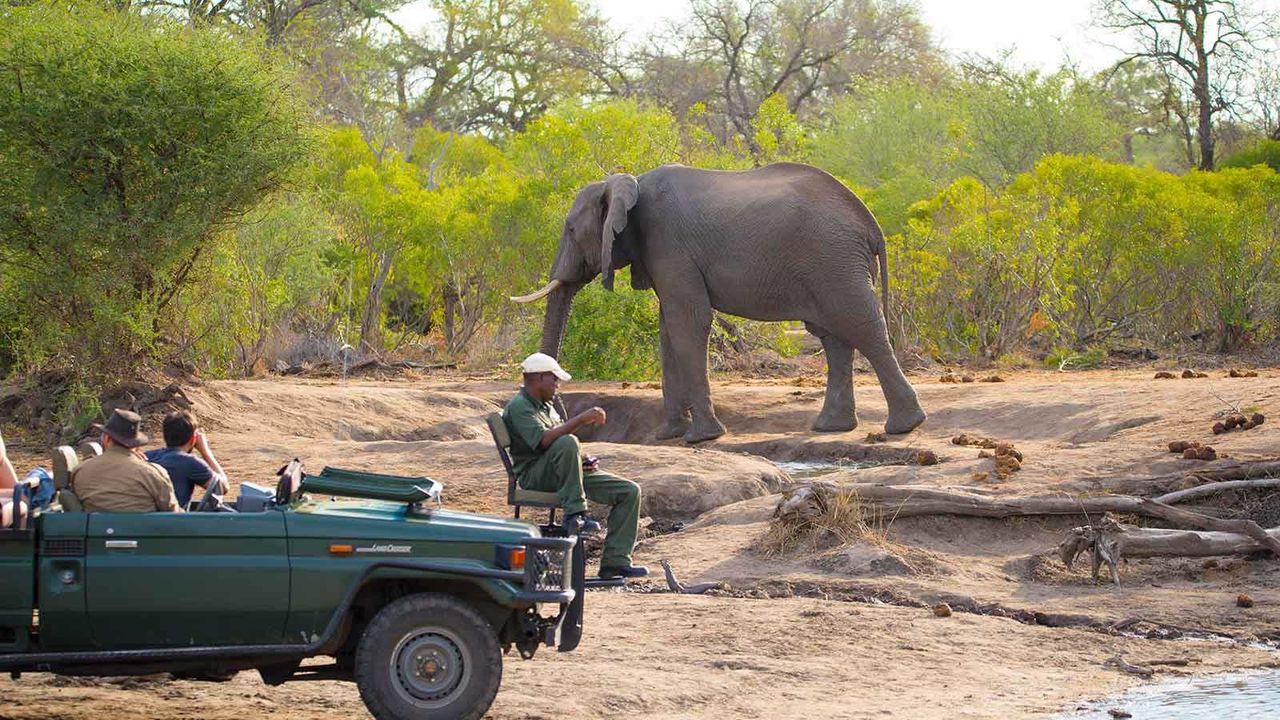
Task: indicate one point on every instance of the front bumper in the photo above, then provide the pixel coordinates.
(548, 571)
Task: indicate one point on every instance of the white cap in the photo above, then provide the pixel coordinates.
(540, 363)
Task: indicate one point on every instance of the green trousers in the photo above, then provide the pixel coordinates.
(559, 470)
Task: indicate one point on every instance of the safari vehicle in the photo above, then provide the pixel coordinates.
(415, 603)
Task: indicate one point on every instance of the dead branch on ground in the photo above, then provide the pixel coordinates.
(1109, 541)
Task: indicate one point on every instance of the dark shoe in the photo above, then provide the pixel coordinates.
(580, 524)
(630, 571)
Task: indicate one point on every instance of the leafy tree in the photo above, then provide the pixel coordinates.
(902, 141)
(492, 65)
(126, 144)
(735, 55)
(1205, 49)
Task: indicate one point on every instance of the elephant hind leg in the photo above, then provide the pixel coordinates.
(839, 413)
(867, 333)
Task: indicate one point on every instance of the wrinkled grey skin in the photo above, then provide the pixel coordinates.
(783, 242)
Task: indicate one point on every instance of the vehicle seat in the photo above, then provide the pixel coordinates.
(290, 482)
(65, 461)
(517, 496)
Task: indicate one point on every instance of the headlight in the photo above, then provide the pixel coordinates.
(546, 569)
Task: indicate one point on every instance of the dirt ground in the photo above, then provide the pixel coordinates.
(842, 633)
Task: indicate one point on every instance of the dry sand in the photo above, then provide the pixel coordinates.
(656, 655)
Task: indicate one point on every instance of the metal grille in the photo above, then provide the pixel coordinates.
(62, 547)
(546, 569)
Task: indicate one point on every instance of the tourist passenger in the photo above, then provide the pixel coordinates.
(8, 480)
(182, 434)
(121, 479)
(547, 457)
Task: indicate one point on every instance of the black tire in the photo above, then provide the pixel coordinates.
(428, 656)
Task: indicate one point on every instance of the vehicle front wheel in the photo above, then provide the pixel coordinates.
(428, 656)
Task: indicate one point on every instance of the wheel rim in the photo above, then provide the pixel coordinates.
(430, 667)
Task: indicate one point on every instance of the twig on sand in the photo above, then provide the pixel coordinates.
(678, 587)
(1119, 663)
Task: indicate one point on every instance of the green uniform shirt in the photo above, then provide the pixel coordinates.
(527, 418)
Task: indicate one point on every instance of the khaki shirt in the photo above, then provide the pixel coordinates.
(119, 481)
(527, 418)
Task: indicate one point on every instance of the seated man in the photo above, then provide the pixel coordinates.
(121, 479)
(548, 458)
(182, 434)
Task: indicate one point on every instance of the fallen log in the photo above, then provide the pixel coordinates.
(1234, 470)
(1107, 540)
(1135, 542)
(1216, 487)
(887, 502)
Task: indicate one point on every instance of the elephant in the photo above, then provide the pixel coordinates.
(782, 242)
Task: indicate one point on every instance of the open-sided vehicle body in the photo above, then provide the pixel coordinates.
(414, 602)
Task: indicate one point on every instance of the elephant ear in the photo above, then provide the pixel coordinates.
(621, 191)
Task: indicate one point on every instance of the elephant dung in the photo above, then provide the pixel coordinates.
(926, 457)
(1165, 375)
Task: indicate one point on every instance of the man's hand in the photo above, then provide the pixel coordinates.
(202, 447)
(594, 416)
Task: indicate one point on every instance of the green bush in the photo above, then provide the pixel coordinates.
(1068, 359)
(127, 143)
(611, 335)
(1266, 152)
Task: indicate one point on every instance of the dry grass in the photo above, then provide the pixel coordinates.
(829, 519)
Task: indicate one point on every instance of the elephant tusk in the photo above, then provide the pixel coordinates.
(545, 291)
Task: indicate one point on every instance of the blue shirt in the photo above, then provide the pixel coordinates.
(185, 471)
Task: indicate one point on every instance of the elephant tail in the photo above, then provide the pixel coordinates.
(882, 256)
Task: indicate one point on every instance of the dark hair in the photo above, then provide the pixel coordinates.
(179, 428)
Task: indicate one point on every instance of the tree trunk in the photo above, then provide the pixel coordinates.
(450, 294)
(371, 322)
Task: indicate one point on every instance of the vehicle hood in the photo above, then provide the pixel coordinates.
(381, 520)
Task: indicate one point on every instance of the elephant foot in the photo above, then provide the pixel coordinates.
(904, 422)
(673, 430)
(702, 432)
(835, 422)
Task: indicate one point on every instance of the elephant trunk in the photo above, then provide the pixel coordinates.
(557, 318)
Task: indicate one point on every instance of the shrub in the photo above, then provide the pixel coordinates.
(126, 144)
(610, 335)
(1266, 152)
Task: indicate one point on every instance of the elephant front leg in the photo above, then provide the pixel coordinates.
(688, 326)
(839, 414)
(674, 410)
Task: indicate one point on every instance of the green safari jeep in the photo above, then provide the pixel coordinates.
(415, 603)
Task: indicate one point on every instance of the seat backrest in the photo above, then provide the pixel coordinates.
(290, 482)
(502, 439)
(65, 462)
